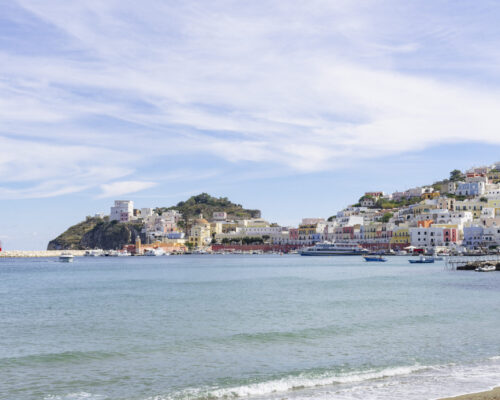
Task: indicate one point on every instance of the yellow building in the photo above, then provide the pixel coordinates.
(400, 236)
(306, 230)
(494, 176)
(422, 208)
(216, 227)
(474, 206)
(200, 233)
(494, 203)
(370, 231)
(430, 196)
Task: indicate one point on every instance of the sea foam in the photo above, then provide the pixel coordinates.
(409, 382)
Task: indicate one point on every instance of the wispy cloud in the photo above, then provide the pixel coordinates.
(295, 86)
(124, 187)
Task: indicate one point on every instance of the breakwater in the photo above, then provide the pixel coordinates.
(38, 253)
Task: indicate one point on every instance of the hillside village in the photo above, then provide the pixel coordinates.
(460, 212)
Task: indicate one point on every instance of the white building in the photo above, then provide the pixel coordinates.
(259, 230)
(219, 216)
(432, 237)
(368, 202)
(255, 222)
(351, 220)
(415, 192)
(122, 211)
(471, 189)
(146, 212)
(492, 191)
(312, 221)
(491, 236)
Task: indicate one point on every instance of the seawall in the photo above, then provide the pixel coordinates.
(39, 253)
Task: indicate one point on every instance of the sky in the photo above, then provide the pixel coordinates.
(292, 107)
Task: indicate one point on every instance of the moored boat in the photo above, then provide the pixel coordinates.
(375, 258)
(486, 268)
(156, 252)
(422, 260)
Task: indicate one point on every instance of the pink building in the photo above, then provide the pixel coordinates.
(294, 234)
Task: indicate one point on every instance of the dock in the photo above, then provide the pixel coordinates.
(472, 262)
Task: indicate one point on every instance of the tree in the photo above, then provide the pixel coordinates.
(387, 216)
(456, 175)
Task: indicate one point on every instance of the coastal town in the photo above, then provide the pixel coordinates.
(461, 213)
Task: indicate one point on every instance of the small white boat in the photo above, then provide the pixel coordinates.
(155, 252)
(66, 257)
(93, 253)
(486, 268)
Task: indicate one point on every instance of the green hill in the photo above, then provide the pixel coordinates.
(207, 205)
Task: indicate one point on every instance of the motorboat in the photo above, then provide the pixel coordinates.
(66, 257)
(422, 260)
(375, 258)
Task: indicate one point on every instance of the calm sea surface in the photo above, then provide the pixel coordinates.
(258, 327)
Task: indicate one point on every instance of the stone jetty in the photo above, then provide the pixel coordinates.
(476, 264)
(39, 253)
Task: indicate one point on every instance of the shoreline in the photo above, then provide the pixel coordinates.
(493, 394)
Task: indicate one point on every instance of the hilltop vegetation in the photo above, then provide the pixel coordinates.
(207, 205)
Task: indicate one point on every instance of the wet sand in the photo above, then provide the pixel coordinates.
(489, 395)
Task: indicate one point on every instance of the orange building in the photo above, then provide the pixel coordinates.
(425, 224)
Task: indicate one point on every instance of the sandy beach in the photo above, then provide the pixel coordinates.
(489, 395)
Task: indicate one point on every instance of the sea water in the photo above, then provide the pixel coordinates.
(258, 327)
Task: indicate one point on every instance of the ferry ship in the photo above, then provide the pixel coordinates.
(334, 249)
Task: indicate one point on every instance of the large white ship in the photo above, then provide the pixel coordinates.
(334, 249)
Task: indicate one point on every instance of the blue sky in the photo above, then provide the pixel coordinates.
(295, 108)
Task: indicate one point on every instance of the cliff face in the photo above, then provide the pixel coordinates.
(111, 235)
(96, 233)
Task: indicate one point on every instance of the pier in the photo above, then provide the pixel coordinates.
(471, 262)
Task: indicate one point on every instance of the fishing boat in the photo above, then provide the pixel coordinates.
(486, 268)
(375, 258)
(334, 249)
(422, 260)
(66, 257)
